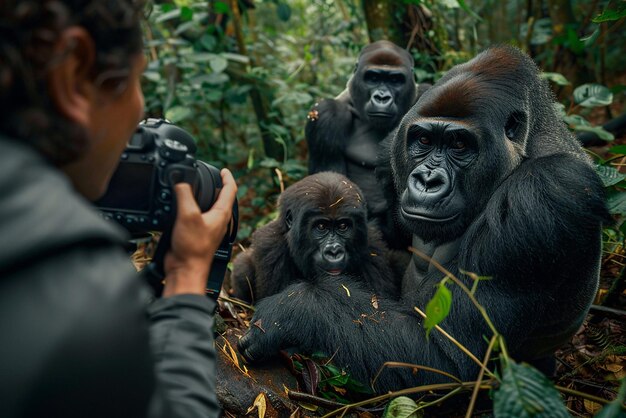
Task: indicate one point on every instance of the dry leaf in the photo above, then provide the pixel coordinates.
(347, 290)
(592, 407)
(259, 325)
(259, 404)
(374, 301)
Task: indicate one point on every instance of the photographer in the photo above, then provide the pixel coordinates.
(78, 338)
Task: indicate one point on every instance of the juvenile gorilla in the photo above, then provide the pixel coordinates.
(489, 181)
(321, 231)
(343, 134)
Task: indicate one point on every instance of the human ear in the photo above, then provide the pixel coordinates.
(70, 82)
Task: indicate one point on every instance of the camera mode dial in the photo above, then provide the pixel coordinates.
(173, 150)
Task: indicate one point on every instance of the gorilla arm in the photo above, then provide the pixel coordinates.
(541, 202)
(360, 334)
(329, 124)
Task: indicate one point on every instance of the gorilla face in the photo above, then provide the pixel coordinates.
(439, 151)
(451, 151)
(332, 236)
(325, 222)
(382, 87)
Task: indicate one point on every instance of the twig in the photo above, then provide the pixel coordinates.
(458, 344)
(325, 403)
(397, 364)
(470, 408)
(409, 391)
(582, 395)
(237, 302)
(452, 277)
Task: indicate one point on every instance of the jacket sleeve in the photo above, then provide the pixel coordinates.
(183, 349)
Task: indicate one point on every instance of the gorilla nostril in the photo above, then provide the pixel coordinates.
(382, 99)
(334, 252)
(429, 181)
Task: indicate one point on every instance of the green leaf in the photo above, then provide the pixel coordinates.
(402, 407)
(526, 393)
(283, 11)
(218, 64)
(220, 7)
(172, 14)
(186, 14)
(438, 307)
(449, 4)
(339, 380)
(469, 11)
(208, 42)
(177, 113)
(598, 130)
(591, 39)
(616, 203)
(573, 42)
(609, 15)
(593, 95)
(609, 175)
(556, 78)
(618, 149)
(576, 120)
(541, 31)
(236, 57)
(153, 76)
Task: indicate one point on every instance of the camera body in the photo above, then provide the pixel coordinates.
(140, 195)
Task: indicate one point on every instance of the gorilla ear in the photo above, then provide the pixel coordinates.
(288, 219)
(513, 125)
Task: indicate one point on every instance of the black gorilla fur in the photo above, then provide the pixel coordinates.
(288, 250)
(343, 134)
(490, 181)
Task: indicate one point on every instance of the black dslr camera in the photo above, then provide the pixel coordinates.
(141, 199)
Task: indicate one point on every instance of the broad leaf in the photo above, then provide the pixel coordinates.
(593, 95)
(618, 149)
(602, 133)
(526, 393)
(177, 113)
(609, 175)
(616, 203)
(402, 407)
(438, 307)
(218, 64)
(609, 15)
(557, 78)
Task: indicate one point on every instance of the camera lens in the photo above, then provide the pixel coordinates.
(209, 185)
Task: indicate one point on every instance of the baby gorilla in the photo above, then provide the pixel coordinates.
(321, 231)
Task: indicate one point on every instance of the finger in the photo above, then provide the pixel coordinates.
(227, 195)
(185, 202)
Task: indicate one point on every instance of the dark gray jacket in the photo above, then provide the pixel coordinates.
(77, 338)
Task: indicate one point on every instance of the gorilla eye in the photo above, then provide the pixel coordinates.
(424, 140)
(343, 226)
(458, 144)
(397, 79)
(320, 226)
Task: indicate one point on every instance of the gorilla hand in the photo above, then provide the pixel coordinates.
(261, 342)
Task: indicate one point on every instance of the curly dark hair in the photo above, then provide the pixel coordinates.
(28, 31)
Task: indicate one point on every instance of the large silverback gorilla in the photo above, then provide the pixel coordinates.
(489, 181)
(344, 134)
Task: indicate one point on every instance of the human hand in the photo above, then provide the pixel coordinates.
(195, 238)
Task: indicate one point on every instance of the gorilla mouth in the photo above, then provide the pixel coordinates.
(334, 272)
(383, 115)
(420, 216)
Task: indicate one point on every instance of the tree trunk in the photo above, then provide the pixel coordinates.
(272, 148)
